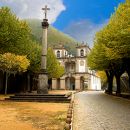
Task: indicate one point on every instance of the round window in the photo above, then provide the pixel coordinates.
(81, 63)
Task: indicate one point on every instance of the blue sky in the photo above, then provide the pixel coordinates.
(80, 19)
(96, 11)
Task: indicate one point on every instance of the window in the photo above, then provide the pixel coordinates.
(81, 63)
(58, 54)
(82, 52)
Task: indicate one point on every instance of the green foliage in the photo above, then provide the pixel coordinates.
(14, 33)
(12, 63)
(111, 51)
(54, 68)
(103, 76)
(96, 59)
(15, 37)
(55, 37)
(112, 42)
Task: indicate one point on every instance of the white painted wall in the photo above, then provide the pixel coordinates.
(60, 52)
(95, 83)
(80, 67)
(63, 52)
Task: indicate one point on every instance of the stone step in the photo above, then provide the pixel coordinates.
(39, 98)
(31, 94)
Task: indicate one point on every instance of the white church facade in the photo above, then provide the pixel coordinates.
(77, 74)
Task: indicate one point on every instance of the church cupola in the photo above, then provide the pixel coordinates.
(60, 51)
(82, 50)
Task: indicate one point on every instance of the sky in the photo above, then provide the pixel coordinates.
(80, 19)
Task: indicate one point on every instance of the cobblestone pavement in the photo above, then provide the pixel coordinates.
(99, 111)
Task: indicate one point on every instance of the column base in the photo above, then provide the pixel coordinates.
(42, 83)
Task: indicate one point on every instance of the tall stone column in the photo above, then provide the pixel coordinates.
(43, 77)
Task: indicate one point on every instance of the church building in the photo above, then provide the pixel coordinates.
(77, 74)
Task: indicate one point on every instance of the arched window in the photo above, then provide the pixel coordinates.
(82, 52)
(58, 54)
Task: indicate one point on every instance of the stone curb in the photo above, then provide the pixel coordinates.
(70, 113)
(69, 119)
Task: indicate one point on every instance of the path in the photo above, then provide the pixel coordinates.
(98, 111)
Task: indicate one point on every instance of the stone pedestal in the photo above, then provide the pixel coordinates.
(42, 83)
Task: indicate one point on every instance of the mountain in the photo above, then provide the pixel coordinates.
(55, 37)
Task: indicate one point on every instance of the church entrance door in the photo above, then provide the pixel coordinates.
(70, 83)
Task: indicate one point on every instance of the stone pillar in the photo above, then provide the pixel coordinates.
(77, 83)
(43, 77)
(62, 84)
(54, 83)
(44, 49)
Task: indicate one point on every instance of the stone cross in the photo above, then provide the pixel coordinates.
(45, 11)
(43, 76)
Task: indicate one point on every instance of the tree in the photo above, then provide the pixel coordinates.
(97, 60)
(54, 68)
(15, 37)
(11, 64)
(118, 39)
(103, 77)
(14, 33)
(113, 45)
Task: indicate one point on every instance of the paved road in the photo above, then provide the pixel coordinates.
(98, 111)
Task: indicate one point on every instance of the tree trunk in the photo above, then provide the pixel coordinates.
(110, 85)
(110, 81)
(127, 68)
(118, 92)
(28, 82)
(6, 82)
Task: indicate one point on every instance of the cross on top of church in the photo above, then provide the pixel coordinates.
(45, 11)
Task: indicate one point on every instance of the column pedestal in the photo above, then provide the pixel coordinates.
(42, 83)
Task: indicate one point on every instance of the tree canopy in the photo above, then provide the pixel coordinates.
(16, 37)
(12, 63)
(54, 68)
(111, 51)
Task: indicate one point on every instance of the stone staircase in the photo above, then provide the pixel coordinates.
(24, 97)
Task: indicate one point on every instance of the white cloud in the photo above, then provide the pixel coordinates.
(33, 8)
(84, 30)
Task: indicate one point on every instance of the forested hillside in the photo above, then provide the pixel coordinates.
(55, 37)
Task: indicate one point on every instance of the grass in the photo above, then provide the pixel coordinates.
(32, 115)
